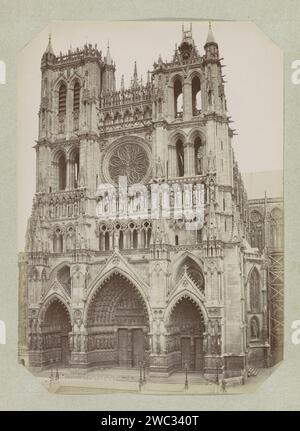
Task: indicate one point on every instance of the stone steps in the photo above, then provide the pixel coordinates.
(192, 380)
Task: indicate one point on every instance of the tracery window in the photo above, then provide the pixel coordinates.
(276, 228)
(76, 105)
(128, 236)
(128, 159)
(76, 97)
(62, 99)
(254, 291)
(256, 230)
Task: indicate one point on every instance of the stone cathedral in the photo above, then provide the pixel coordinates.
(99, 288)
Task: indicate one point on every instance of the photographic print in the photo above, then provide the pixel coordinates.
(150, 207)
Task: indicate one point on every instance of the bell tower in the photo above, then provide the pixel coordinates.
(177, 103)
(70, 87)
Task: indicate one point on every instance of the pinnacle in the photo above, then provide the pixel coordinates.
(49, 49)
(210, 35)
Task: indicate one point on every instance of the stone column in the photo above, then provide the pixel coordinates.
(187, 100)
(186, 159)
(130, 349)
(172, 165)
(111, 239)
(126, 239)
(68, 174)
(139, 244)
(190, 159)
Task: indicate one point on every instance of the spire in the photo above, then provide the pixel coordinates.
(135, 76)
(48, 56)
(49, 49)
(211, 46)
(108, 58)
(122, 83)
(210, 36)
(135, 71)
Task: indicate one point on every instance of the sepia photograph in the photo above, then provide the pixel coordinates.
(150, 207)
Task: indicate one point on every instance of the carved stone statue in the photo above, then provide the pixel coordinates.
(159, 168)
(200, 161)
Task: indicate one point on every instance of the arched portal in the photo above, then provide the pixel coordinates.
(185, 335)
(118, 325)
(55, 327)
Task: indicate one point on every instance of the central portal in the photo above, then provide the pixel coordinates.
(118, 325)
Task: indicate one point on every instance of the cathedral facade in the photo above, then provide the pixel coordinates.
(102, 281)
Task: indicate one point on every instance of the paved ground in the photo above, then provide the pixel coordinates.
(117, 380)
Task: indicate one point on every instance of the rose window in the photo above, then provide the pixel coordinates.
(130, 160)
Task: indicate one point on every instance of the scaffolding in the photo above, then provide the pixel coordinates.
(275, 279)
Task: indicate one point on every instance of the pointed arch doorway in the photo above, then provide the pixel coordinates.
(56, 326)
(118, 325)
(186, 330)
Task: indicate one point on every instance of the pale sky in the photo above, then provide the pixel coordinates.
(254, 88)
